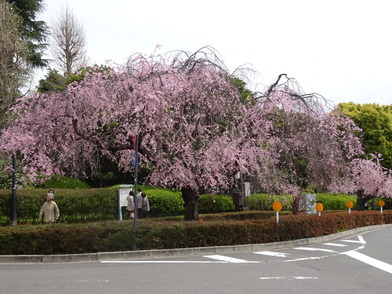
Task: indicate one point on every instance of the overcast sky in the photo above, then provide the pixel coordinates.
(340, 49)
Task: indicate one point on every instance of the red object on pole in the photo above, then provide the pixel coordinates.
(134, 138)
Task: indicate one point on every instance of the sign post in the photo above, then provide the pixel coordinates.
(349, 205)
(319, 208)
(381, 203)
(277, 206)
(14, 200)
(135, 167)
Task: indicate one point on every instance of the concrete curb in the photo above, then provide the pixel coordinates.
(142, 254)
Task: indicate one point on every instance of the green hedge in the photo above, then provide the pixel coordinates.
(59, 182)
(81, 205)
(74, 205)
(215, 203)
(164, 202)
(329, 201)
(265, 201)
(120, 236)
(335, 202)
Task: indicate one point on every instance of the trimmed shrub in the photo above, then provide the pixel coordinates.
(75, 205)
(164, 202)
(60, 182)
(215, 203)
(335, 202)
(116, 235)
(265, 201)
(242, 215)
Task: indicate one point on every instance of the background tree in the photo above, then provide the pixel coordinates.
(33, 31)
(13, 50)
(376, 124)
(53, 81)
(69, 46)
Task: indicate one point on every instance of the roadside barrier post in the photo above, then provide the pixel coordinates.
(319, 208)
(277, 206)
(381, 203)
(349, 205)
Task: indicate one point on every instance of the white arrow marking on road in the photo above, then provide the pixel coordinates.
(360, 240)
(315, 249)
(334, 244)
(270, 253)
(229, 259)
(288, 278)
(370, 260)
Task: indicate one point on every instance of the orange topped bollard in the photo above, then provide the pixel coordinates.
(381, 203)
(277, 206)
(349, 205)
(319, 208)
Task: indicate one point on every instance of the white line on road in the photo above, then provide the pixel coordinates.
(370, 260)
(305, 258)
(360, 240)
(289, 278)
(270, 253)
(229, 259)
(334, 244)
(315, 249)
(160, 261)
(92, 281)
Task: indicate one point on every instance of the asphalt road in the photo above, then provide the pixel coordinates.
(359, 263)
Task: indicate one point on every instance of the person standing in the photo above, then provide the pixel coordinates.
(130, 206)
(139, 202)
(49, 212)
(145, 205)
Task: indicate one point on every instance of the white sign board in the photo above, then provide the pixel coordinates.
(123, 191)
(247, 189)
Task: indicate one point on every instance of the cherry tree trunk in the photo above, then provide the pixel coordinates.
(361, 200)
(191, 198)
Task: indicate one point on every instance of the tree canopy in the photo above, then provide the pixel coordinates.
(376, 124)
(33, 31)
(196, 131)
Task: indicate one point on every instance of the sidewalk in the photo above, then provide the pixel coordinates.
(143, 254)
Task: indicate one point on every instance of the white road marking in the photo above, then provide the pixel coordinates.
(370, 260)
(315, 249)
(270, 253)
(92, 281)
(334, 244)
(229, 259)
(360, 240)
(160, 261)
(306, 258)
(289, 278)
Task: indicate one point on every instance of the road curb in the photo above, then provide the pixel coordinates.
(142, 254)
